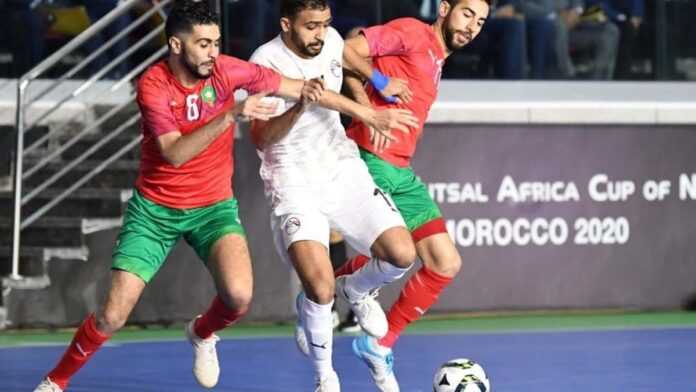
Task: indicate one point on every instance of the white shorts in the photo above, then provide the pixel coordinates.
(351, 203)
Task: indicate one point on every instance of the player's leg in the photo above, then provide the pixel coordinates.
(393, 254)
(372, 225)
(219, 239)
(143, 245)
(386, 177)
(338, 253)
(423, 219)
(304, 240)
(441, 261)
(96, 330)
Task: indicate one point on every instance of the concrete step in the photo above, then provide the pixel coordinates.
(87, 202)
(47, 231)
(33, 259)
(119, 175)
(105, 151)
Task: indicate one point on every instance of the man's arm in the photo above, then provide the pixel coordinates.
(265, 133)
(355, 87)
(392, 89)
(382, 120)
(355, 82)
(178, 149)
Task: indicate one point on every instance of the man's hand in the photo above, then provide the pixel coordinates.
(312, 90)
(400, 119)
(253, 108)
(384, 121)
(398, 89)
(380, 140)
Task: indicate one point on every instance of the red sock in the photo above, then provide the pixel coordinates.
(418, 295)
(352, 265)
(85, 343)
(216, 318)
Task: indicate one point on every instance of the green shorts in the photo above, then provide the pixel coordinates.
(409, 193)
(150, 231)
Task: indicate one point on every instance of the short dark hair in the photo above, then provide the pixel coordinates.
(290, 8)
(455, 2)
(188, 13)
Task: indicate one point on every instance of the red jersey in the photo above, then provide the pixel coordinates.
(407, 49)
(167, 106)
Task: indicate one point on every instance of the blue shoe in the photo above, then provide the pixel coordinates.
(380, 361)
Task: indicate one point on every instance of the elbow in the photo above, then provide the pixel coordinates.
(260, 144)
(176, 164)
(258, 136)
(174, 161)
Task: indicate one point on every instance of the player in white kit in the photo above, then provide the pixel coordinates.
(315, 180)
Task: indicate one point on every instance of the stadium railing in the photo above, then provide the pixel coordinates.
(26, 124)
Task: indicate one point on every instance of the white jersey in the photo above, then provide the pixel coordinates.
(310, 153)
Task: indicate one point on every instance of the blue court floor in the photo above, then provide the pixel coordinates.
(636, 360)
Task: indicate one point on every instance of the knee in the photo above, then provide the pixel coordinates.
(110, 321)
(321, 292)
(402, 256)
(448, 265)
(238, 299)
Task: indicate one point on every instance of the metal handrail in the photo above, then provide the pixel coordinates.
(127, 78)
(78, 67)
(23, 102)
(38, 213)
(89, 82)
(72, 141)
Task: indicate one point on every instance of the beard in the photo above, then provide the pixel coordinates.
(194, 69)
(309, 50)
(449, 32)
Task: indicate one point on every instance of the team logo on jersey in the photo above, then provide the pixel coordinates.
(335, 67)
(208, 95)
(292, 225)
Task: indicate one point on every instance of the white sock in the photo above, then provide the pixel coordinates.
(318, 327)
(374, 274)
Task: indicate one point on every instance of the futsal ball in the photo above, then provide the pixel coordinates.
(461, 375)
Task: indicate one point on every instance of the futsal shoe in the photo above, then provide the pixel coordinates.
(328, 384)
(380, 361)
(206, 368)
(367, 310)
(48, 386)
(300, 336)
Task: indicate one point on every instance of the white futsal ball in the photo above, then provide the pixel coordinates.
(461, 375)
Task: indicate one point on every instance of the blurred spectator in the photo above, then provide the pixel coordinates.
(392, 9)
(349, 14)
(580, 31)
(347, 17)
(501, 45)
(25, 22)
(628, 15)
(540, 19)
(96, 9)
(258, 20)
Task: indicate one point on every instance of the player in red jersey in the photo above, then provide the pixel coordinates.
(415, 52)
(184, 188)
